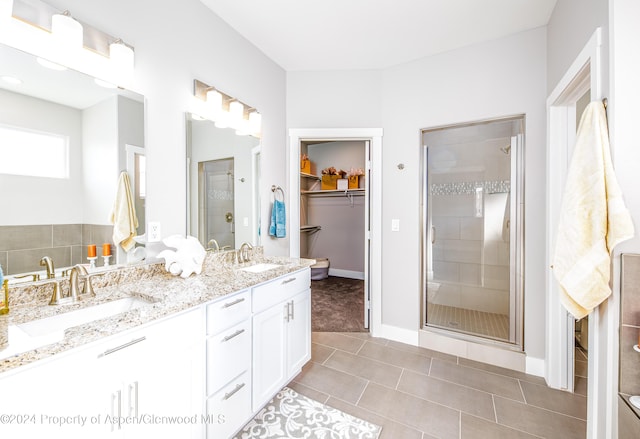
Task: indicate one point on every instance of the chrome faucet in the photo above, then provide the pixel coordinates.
(211, 243)
(47, 262)
(243, 252)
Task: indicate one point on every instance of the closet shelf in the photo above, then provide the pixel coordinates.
(310, 176)
(310, 229)
(334, 193)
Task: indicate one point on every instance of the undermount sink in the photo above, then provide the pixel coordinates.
(60, 322)
(259, 268)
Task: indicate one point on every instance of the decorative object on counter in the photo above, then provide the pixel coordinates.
(186, 259)
(4, 299)
(136, 254)
(123, 215)
(92, 262)
(91, 251)
(330, 177)
(106, 253)
(277, 227)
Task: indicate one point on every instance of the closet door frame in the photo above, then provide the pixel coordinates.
(373, 199)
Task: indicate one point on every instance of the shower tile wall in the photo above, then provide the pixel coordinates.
(473, 272)
(22, 247)
(629, 333)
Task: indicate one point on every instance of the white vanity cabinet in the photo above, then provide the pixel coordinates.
(281, 333)
(149, 380)
(228, 365)
(126, 386)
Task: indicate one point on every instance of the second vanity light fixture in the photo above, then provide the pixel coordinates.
(40, 29)
(226, 111)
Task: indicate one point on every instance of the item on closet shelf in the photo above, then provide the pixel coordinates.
(306, 166)
(356, 178)
(330, 177)
(342, 184)
(320, 270)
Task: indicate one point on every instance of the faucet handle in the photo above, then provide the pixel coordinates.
(35, 276)
(56, 296)
(88, 285)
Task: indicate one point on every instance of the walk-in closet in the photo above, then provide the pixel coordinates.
(332, 226)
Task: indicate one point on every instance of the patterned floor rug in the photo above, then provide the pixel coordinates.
(291, 415)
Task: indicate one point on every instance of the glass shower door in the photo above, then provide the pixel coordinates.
(216, 193)
(470, 242)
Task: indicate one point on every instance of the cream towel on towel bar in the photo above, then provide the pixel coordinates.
(123, 216)
(593, 218)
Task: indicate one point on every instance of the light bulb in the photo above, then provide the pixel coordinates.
(214, 101)
(122, 57)
(236, 114)
(67, 30)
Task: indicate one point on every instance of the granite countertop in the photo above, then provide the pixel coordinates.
(166, 294)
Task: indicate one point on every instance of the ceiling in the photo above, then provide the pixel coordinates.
(373, 34)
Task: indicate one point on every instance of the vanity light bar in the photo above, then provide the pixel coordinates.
(42, 30)
(228, 111)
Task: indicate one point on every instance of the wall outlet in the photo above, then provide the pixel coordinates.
(395, 225)
(154, 235)
(245, 221)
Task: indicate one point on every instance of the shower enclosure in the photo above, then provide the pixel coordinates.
(216, 193)
(472, 229)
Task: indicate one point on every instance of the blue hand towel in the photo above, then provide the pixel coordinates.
(277, 227)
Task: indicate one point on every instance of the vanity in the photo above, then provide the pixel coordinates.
(198, 357)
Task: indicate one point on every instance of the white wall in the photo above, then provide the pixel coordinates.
(175, 44)
(570, 27)
(499, 78)
(31, 200)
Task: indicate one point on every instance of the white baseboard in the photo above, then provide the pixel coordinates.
(535, 366)
(394, 333)
(346, 273)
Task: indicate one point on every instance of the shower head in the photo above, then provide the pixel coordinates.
(506, 149)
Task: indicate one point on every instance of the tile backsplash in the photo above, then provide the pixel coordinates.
(22, 247)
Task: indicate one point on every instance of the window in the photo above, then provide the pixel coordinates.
(33, 153)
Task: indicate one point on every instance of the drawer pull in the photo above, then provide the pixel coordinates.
(233, 392)
(234, 335)
(126, 345)
(235, 302)
(288, 280)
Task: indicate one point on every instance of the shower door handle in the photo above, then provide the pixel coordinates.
(433, 235)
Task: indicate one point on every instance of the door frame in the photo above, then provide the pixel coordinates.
(584, 74)
(373, 270)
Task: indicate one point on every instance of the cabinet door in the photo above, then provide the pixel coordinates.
(269, 369)
(229, 409)
(36, 401)
(299, 333)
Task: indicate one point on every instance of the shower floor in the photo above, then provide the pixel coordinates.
(480, 323)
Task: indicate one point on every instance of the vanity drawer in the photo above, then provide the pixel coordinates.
(228, 355)
(230, 408)
(280, 289)
(228, 311)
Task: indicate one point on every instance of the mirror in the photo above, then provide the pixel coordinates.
(223, 180)
(101, 133)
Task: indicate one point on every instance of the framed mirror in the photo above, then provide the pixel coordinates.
(223, 180)
(64, 139)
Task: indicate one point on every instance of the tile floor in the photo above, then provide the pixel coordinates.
(417, 393)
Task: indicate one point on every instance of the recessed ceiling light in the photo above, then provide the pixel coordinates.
(50, 65)
(12, 80)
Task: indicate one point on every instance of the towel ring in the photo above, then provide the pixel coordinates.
(277, 189)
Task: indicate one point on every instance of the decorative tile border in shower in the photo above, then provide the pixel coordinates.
(469, 187)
